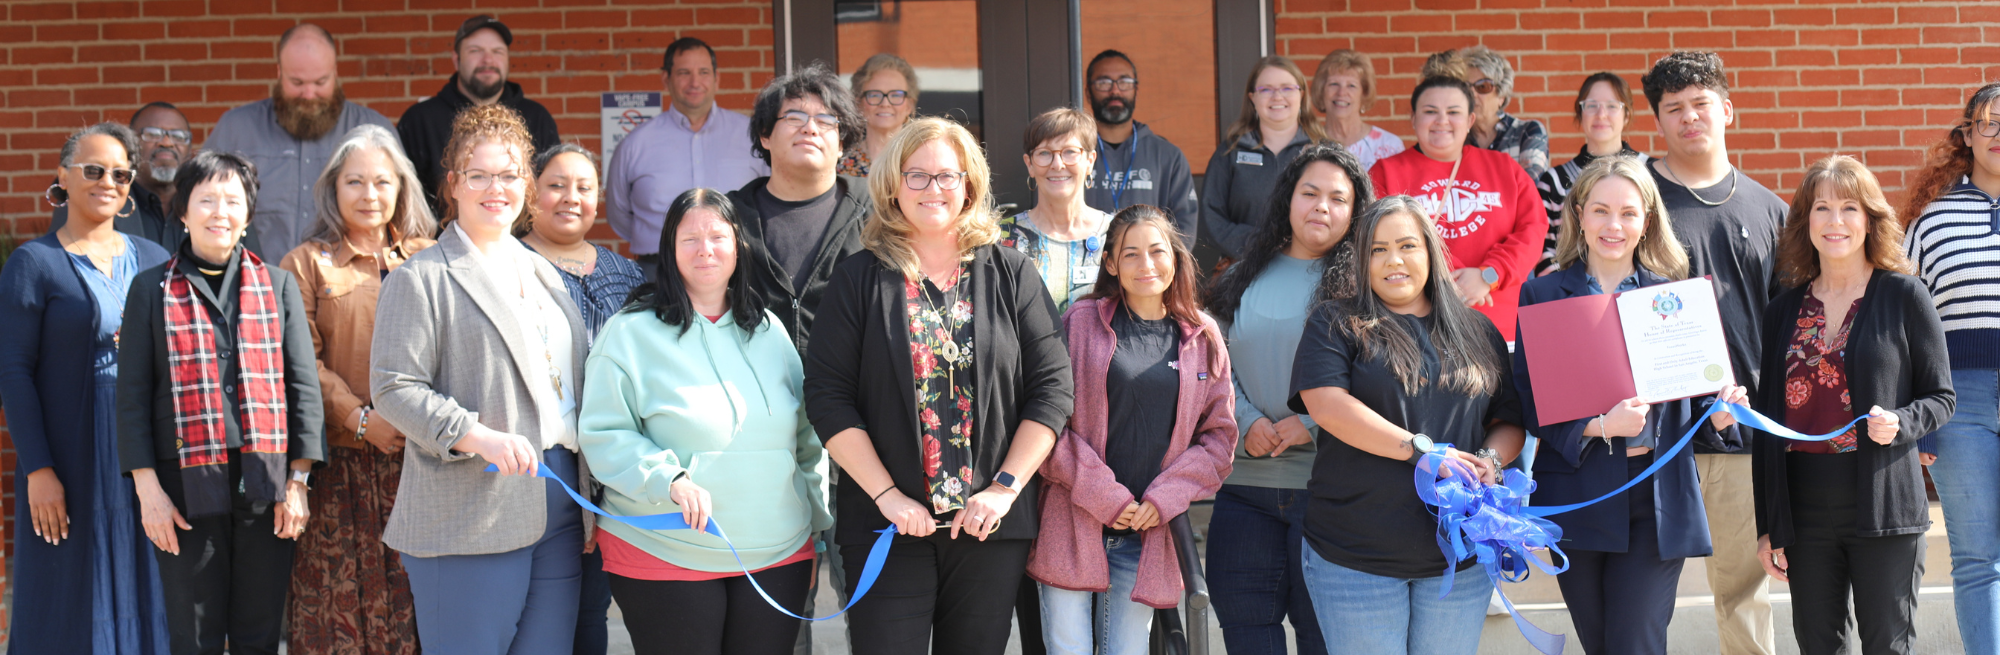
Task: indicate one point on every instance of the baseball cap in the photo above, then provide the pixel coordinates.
(483, 22)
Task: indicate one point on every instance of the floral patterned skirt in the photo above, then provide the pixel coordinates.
(349, 593)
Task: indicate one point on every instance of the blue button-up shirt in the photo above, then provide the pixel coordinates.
(664, 158)
(287, 168)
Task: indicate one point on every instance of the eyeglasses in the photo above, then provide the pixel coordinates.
(1595, 106)
(1486, 87)
(1046, 157)
(94, 172)
(1289, 91)
(1105, 83)
(946, 181)
(478, 180)
(798, 119)
(153, 134)
(877, 97)
(1985, 128)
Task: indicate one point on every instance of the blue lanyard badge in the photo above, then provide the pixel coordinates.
(1084, 270)
(1123, 182)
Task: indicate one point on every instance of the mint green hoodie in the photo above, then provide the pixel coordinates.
(722, 408)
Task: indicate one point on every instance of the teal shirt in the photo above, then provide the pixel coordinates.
(1263, 342)
(720, 407)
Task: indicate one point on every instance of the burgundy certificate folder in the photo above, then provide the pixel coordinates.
(1576, 355)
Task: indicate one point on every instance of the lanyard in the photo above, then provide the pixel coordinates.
(1124, 182)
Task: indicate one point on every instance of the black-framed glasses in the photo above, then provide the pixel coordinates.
(946, 181)
(1046, 157)
(1103, 84)
(1486, 86)
(154, 134)
(798, 119)
(1985, 128)
(876, 98)
(94, 172)
(478, 180)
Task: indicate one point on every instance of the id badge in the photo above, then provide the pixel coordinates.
(1250, 158)
(1083, 274)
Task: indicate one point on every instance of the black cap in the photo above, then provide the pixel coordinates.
(482, 22)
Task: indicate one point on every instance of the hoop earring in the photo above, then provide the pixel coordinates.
(1031, 185)
(130, 206)
(56, 195)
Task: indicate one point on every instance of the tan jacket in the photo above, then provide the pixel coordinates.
(339, 286)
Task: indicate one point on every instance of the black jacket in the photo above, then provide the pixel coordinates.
(795, 307)
(859, 375)
(426, 129)
(1896, 359)
(1236, 193)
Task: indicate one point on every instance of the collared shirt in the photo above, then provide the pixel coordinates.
(511, 271)
(339, 286)
(286, 166)
(1526, 141)
(665, 157)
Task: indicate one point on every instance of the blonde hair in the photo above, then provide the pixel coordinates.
(1658, 251)
(1344, 61)
(888, 233)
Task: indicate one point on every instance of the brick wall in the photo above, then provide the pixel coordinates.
(1872, 78)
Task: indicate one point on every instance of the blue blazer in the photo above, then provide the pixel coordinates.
(1568, 470)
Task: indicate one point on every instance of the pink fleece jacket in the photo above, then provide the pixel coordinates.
(1082, 497)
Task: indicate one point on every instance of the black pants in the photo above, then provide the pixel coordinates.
(228, 584)
(1827, 562)
(593, 606)
(712, 617)
(937, 594)
(1622, 602)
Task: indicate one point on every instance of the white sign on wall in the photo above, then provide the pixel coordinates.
(624, 112)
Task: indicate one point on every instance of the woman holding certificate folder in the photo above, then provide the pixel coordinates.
(1856, 337)
(1626, 552)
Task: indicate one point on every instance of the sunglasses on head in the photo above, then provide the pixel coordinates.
(94, 172)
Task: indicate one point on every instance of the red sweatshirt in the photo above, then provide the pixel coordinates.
(1493, 216)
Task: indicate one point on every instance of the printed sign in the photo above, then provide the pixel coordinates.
(624, 112)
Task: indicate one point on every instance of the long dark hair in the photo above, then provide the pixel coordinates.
(1276, 233)
(1467, 362)
(1180, 297)
(668, 298)
(1950, 159)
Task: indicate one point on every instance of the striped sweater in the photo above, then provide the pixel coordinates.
(1554, 186)
(1956, 247)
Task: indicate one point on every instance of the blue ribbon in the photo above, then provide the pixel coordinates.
(1495, 525)
(877, 554)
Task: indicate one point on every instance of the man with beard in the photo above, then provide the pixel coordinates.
(163, 145)
(479, 53)
(1136, 166)
(291, 135)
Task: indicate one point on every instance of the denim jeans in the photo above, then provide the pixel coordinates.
(1253, 571)
(1968, 487)
(1110, 623)
(1397, 616)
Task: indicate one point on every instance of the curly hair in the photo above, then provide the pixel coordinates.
(477, 126)
(814, 81)
(888, 233)
(1950, 159)
(1681, 70)
(1842, 177)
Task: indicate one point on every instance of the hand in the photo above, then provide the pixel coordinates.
(1291, 432)
(1124, 521)
(289, 517)
(983, 512)
(590, 543)
(1146, 518)
(1263, 437)
(1773, 559)
(46, 506)
(384, 436)
(1455, 461)
(1481, 467)
(1883, 425)
(1472, 287)
(911, 517)
(1626, 419)
(157, 513)
(694, 501)
(1731, 394)
(513, 453)
(1926, 459)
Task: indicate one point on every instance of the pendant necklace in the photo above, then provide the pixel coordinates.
(949, 350)
(542, 327)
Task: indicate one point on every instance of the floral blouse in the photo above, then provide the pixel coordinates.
(854, 163)
(940, 349)
(1816, 398)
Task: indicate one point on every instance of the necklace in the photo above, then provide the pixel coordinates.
(542, 328)
(949, 350)
(1677, 180)
(99, 259)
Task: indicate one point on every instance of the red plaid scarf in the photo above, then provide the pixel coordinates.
(196, 375)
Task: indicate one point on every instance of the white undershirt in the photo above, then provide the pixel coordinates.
(511, 269)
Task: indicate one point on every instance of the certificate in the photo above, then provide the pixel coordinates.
(1674, 341)
(1658, 343)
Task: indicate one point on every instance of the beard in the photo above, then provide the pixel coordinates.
(162, 175)
(308, 120)
(483, 92)
(1112, 115)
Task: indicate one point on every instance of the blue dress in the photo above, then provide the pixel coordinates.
(98, 591)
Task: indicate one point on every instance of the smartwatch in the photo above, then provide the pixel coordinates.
(1420, 445)
(1008, 480)
(1490, 275)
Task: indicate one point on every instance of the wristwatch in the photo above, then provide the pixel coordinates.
(1008, 480)
(1490, 275)
(1420, 445)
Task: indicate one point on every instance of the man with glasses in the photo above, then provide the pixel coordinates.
(1134, 165)
(690, 145)
(164, 142)
(479, 55)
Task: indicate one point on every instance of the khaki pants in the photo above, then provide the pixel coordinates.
(1742, 591)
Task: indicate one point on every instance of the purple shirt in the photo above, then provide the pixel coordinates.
(663, 158)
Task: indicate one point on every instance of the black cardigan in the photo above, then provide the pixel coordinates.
(1895, 359)
(859, 375)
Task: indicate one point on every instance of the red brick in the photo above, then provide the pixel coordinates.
(1440, 43)
(1740, 18)
(1490, 22)
(1613, 20)
(48, 11)
(65, 32)
(1806, 16)
(116, 96)
(1870, 138)
(1766, 38)
(176, 51)
(1703, 40)
(1676, 19)
(1420, 23)
(1868, 56)
(1914, 15)
(107, 53)
(1951, 34)
(172, 8)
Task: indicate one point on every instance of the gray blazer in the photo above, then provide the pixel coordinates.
(448, 352)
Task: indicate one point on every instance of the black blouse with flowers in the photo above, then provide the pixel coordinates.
(941, 356)
(1816, 395)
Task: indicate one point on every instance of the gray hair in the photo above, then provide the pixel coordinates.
(413, 216)
(123, 134)
(1495, 67)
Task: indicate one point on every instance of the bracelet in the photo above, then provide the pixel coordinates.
(879, 494)
(362, 432)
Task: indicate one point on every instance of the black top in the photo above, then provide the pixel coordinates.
(1895, 359)
(1236, 191)
(425, 129)
(1736, 243)
(795, 304)
(792, 229)
(1141, 389)
(859, 375)
(1364, 513)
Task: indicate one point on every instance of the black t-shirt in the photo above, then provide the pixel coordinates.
(1364, 513)
(792, 230)
(1141, 388)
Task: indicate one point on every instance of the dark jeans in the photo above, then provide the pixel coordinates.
(228, 584)
(592, 638)
(1254, 573)
(937, 594)
(1827, 561)
(1621, 603)
(713, 617)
